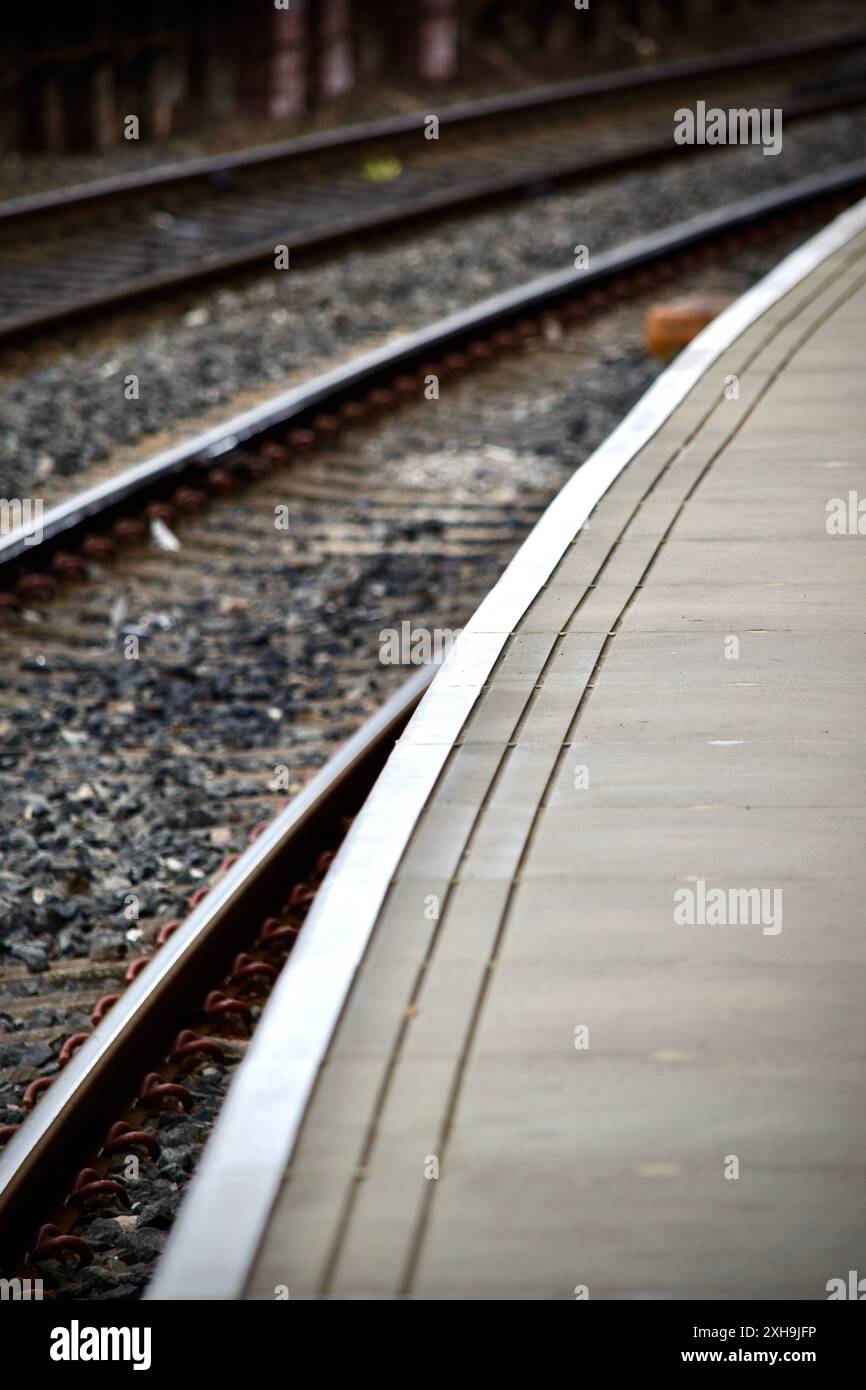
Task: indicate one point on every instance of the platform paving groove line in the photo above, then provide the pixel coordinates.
(616, 757)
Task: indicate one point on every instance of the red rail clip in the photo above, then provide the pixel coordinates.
(154, 1091)
(122, 1137)
(167, 930)
(188, 1044)
(88, 1184)
(71, 1046)
(246, 968)
(50, 1245)
(34, 1091)
(276, 933)
(103, 1006)
(135, 968)
(218, 1005)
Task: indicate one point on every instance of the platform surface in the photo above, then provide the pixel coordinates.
(615, 1099)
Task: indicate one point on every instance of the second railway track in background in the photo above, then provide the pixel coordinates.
(406, 550)
(95, 247)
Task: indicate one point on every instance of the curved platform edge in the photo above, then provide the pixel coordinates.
(243, 1163)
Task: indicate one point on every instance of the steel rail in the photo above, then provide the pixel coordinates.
(100, 1080)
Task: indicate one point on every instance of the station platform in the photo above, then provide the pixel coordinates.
(600, 928)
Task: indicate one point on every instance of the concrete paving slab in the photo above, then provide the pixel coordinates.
(475, 909)
(743, 608)
(698, 659)
(553, 608)
(438, 844)
(703, 518)
(697, 772)
(720, 1013)
(405, 922)
(731, 710)
(744, 847)
(764, 561)
(497, 713)
(572, 929)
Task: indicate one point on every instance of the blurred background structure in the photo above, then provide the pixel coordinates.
(70, 73)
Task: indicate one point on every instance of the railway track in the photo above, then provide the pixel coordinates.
(308, 423)
(91, 525)
(211, 971)
(98, 246)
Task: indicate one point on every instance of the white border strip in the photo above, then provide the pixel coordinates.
(214, 1242)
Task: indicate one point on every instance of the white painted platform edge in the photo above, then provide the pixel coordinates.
(213, 1245)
